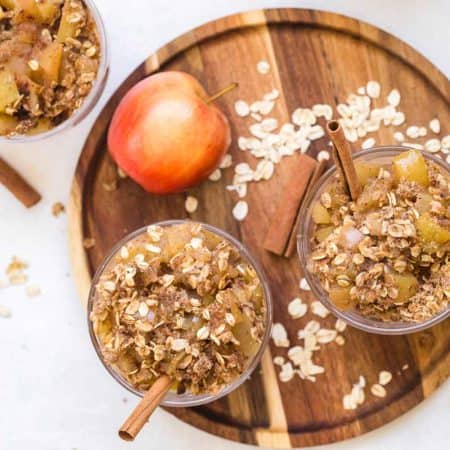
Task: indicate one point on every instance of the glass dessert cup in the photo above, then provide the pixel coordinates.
(90, 100)
(379, 155)
(172, 399)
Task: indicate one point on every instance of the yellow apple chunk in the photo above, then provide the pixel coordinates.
(320, 215)
(365, 171)
(411, 166)
(7, 4)
(340, 296)
(430, 231)
(7, 124)
(322, 233)
(29, 9)
(407, 286)
(9, 93)
(50, 63)
(67, 29)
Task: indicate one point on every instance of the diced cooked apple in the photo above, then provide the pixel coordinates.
(430, 231)
(42, 126)
(29, 9)
(242, 333)
(407, 286)
(322, 233)
(9, 93)
(49, 10)
(340, 296)
(7, 4)
(320, 214)
(67, 28)
(411, 166)
(50, 63)
(365, 171)
(7, 124)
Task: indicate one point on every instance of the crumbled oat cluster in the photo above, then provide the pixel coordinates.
(49, 58)
(180, 301)
(387, 254)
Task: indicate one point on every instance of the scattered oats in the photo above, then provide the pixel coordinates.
(88, 242)
(240, 210)
(263, 67)
(272, 95)
(399, 136)
(154, 232)
(323, 155)
(264, 170)
(412, 132)
(435, 126)
(321, 110)
(279, 335)
(226, 162)
(216, 175)
(433, 145)
(368, 143)
(445, 142)
(394, 97)
(384, 377)
(373, 89)
(256, 116)
(287, 372)
(5, 312)
(422, 131)
(296, 308)
(304, 285)
(33, 290)
(325, 336)
(356, 396)
(361, 90)
(340, 340)
(340, 325)
(278, 360)
(319, 309)
(57, 209)
(378, 390)
(191, 204)
(242, 109)
(398, 118)
(405, 367)
(269, 124)
(412, 145)
(315, 132)
(303, 117)
(243, 143)
(110, 186)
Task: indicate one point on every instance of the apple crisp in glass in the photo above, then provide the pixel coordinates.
(49, 59)
(183, 301)
(386, 255)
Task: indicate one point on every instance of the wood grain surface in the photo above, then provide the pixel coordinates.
(315, 57)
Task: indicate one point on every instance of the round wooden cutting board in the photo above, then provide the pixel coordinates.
(315, 57)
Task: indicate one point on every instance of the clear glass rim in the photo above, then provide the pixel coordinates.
(188, 400)
(91, 99)
(353, 318)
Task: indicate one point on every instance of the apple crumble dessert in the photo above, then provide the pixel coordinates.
(179, 301)
(386, 255)
(49, 58)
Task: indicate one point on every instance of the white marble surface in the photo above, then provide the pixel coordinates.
(54, 394)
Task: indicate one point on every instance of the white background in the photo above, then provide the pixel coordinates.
(54, 394)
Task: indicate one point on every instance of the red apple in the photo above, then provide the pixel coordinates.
(165, 135)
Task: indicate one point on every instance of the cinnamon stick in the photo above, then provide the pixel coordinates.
(342, 154)
(277, 236)
(292, 243)
(140, 415)
(17, 185)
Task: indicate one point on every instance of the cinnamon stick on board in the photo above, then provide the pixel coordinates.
(277, 236)
(292, 243)
(140, 415)
(18, 186)
(342, 154)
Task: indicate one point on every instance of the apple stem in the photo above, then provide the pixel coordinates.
(223, 91)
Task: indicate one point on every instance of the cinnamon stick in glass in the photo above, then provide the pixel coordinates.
(140, 415)
(342, 155)
(17, 185)
(277, 237)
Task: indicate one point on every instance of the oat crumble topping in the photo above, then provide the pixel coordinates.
(179, 301)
